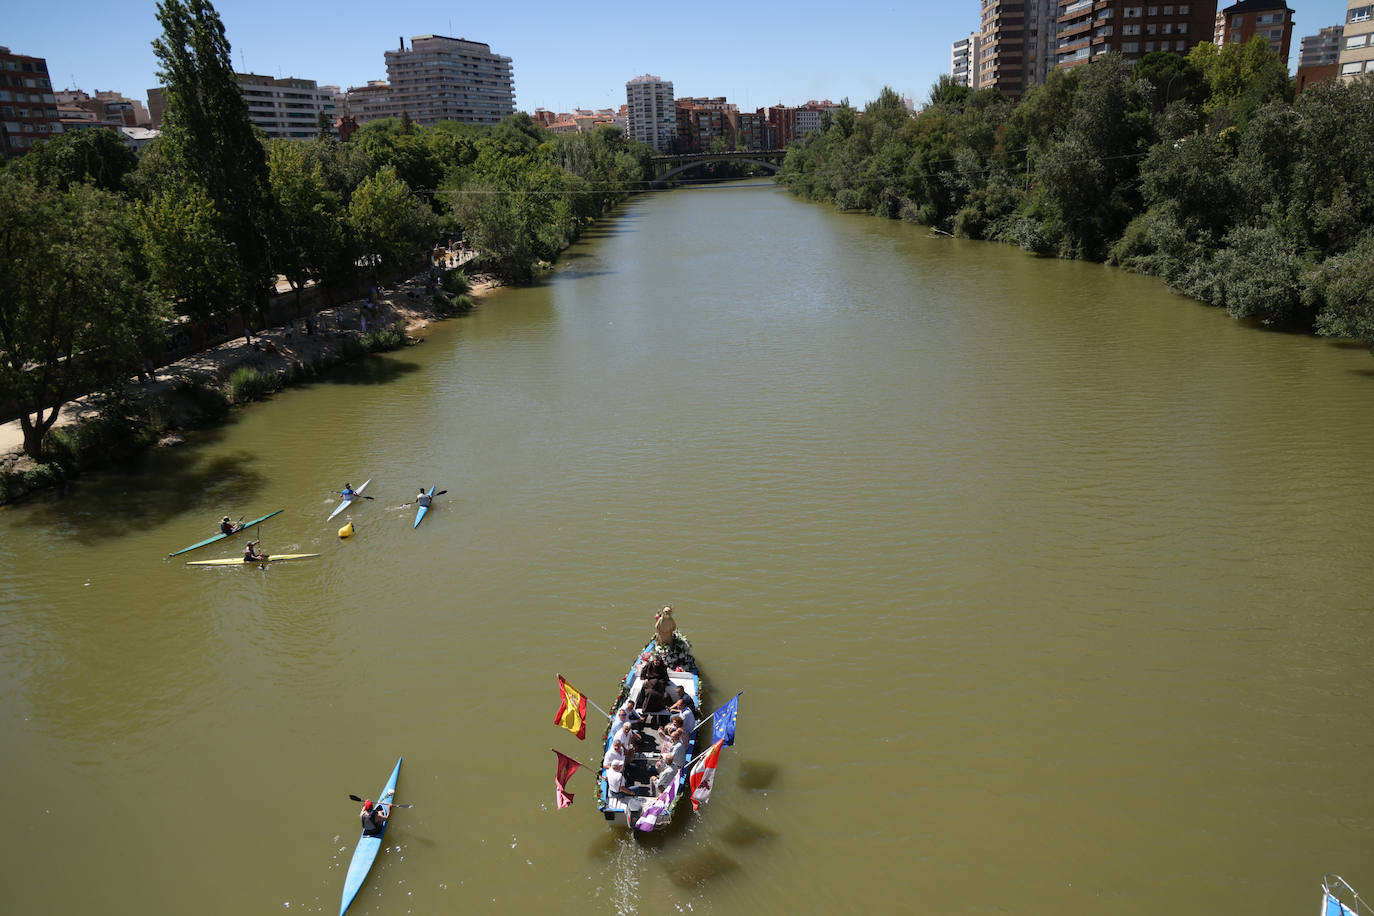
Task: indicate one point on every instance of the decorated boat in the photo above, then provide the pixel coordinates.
(641, 804)
(1340, 899)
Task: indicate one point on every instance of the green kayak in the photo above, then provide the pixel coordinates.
(222, 536)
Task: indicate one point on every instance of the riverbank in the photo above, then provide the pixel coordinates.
(200, 390)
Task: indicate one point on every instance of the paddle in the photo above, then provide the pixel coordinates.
(393, 804)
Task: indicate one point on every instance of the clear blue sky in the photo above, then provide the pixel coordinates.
(566, 54)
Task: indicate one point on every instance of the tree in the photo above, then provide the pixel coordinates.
(97, 155)
(74, 316)
(393, 228)
(1241, 78)
(208, 140)
(307, 235)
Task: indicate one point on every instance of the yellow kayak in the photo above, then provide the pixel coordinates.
(239, 561)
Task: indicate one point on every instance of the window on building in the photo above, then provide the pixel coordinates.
(1181, 28)
(1130, 47)
(1354, 41)
(1237, 21)
(1151, 11)
(1355, 66)
(1182, 10)
(1360, 14)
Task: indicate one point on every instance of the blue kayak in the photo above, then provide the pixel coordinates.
(420, 513)
(368, 846)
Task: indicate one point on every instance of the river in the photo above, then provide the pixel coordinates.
(1048, 591)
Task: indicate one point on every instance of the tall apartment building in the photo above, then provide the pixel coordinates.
(1321, 49)
(963, 60)
(449, 79)
(1016, 44)
(368, 103)
(28, 108)
(289, 108)
(652, 116)
(1087, 30)
(1357, 49)
(1271, 19)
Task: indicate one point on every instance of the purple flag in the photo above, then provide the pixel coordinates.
(658, 808)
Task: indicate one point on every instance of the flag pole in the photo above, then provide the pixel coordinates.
(598, 708)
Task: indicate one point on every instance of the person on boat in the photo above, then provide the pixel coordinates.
(226, 526)
(687, 712)
(423, 498)
(250, 553)
(347, 491)
(654, 672)
(626, 715)
(374, 816)
(674, 759)
(625, 736)
(673, 731)
(615, 778)
(683, 702)
(615, 755)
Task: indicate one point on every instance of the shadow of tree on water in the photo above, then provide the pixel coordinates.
(756, 774)
(701, 866)
(370, 370)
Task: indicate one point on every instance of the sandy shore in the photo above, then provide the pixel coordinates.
(274, 348)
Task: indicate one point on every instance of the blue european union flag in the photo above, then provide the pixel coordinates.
(724, 729)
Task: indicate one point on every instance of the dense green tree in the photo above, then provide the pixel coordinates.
(208, 141)
(97, 155)
(192, 266)
(74, 317)
(1240, 78)
(307, 235)
(392, 227)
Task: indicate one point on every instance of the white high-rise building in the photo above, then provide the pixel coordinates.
(651, 112)
(1322, 49)
(290, 108)
(963, 60)
(449, 79)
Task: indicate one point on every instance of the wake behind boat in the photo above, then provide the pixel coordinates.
(221, 536)
(368, 845)
(348, 500)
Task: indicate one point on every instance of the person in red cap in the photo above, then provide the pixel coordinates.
(374, 817)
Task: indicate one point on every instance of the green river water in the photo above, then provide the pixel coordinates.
(1049, 592)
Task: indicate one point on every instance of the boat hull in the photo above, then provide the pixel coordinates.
(421, 512)
(625, 809)
(365, 853)
(239, 561)
(348, 502)
(222, 536)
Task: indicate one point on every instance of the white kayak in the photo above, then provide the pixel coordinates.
(357, 494)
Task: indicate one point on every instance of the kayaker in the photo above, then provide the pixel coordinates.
(374, 816)
(250, 553)
(347, 491)
(226, 526)
(423, 499)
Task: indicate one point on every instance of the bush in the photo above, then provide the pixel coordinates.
(457, 283)
(205, 395)
(248, 384)
(384, 339)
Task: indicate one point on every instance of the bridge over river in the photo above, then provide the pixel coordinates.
(669, 167)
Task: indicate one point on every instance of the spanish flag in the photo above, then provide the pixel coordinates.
(572, 711)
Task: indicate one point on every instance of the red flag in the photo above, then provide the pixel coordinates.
(572, 709)
(703, 775)
(566, 767)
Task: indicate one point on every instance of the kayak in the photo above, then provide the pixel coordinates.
(356, 494)
(420, 513)
(240, 561)
(221, 536)
(366, 851)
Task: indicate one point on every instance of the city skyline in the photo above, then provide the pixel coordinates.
(752, 57)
